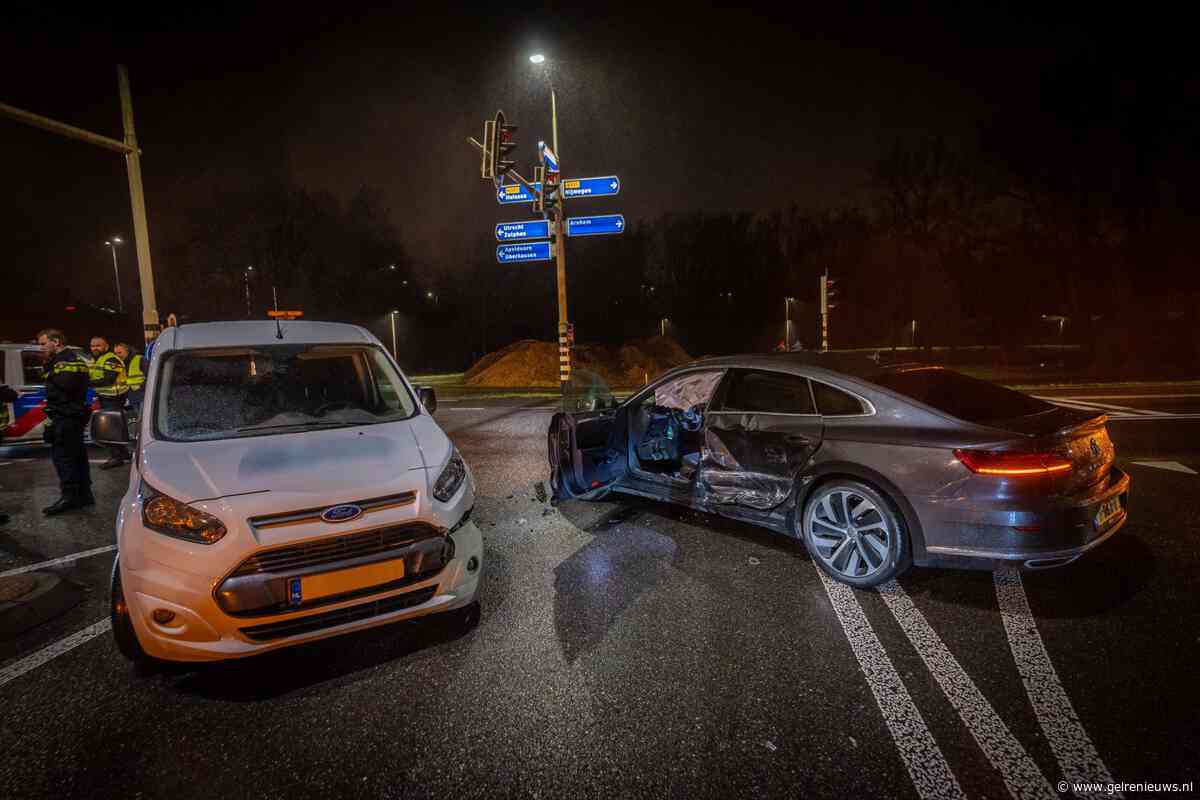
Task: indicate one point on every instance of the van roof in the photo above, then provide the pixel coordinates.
(261, 332)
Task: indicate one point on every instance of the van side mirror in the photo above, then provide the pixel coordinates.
(109, 427)
(428, 398)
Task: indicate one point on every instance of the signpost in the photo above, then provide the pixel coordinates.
(516, 231)
(595, 226)
(591, 187)
(531, 251)
(516, 193)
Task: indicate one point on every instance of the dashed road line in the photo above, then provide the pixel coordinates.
(930, 773)
(53, 651)
(1021, 775)
(56, 561)
(1073, 749)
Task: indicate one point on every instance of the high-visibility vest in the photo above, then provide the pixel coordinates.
(4, 418)
(135, 378)
(105, 366)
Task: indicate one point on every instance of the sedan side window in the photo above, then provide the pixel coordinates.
(833, 402)
(768, 392)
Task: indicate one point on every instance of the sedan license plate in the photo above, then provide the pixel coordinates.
(1106, 511)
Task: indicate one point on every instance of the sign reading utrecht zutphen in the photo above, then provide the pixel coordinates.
(531, 251)
(516, 231)
(591, 187)
(595, 226)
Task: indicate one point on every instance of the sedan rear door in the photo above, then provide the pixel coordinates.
(761, 432)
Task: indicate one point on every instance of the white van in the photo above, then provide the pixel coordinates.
(285, 489)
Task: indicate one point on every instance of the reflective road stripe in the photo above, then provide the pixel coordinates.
(1073, 749)
(931, 775)
(50, 652)
(56, 561)
(1021, 776)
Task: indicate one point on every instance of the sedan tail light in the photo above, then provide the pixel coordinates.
(1012, 464)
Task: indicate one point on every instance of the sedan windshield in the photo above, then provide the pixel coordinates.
(253, 391)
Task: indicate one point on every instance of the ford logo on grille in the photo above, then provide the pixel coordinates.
(343, 513)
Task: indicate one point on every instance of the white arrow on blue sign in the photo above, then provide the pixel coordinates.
(515, 231)
(532, 251)
(591, 187)
(515, 193)
(595, 226)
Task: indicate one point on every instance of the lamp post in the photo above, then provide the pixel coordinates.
(112, 244)
(787, 322)
(560, 239)
(246, 274)
(395, 356)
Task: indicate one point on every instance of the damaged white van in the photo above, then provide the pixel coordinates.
(288, 484)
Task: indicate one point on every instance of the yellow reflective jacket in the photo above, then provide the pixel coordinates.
(107, 376)
(135, 378)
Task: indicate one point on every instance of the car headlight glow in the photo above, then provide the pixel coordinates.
(452, 477)
(168, 516)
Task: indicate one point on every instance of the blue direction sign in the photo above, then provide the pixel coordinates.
(591, 187)
(530, 251)
(595, 226)
(515, 193)
(516, 231)
(549, 160)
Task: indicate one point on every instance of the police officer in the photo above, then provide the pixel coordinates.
(67, 408)
(107, 377)
(135, 375)
(7, 396)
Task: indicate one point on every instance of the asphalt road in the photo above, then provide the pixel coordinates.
(631, 649)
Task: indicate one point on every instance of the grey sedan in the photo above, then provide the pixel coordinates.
(874, 467)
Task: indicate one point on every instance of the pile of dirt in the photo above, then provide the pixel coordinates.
(532, 363)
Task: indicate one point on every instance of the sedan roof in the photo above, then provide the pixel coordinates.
(856, 365)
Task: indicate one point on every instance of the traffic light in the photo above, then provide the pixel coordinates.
(550, 193)
(502, 143)
(829, 293)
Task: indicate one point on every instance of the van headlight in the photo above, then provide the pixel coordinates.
(173, 518)
(452, 477)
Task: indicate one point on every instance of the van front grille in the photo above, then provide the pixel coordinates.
(341, 616)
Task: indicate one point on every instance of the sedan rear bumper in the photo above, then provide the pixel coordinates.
(1036, 537)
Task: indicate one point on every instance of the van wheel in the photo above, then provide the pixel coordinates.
(122, 626)
(854, 533)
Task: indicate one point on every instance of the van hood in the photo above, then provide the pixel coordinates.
(359, 458)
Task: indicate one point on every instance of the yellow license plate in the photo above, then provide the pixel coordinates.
(1107, 510)
(347, 580)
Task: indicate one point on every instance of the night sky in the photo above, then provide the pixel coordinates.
(703, 108)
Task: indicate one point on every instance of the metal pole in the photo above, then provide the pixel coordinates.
(117, 276)
(824, 311)
(395, 356)
(137, 199)
(246, 275)
(560, 251)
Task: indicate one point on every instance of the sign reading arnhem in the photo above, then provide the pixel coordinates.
(515, 231)
(595, 226)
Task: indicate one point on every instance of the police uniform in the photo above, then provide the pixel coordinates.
(135, 379)
(67, 408)
(107, 376)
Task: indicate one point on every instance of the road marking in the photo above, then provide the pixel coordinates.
(927, 767)
(1131, 396)
(1021, 776)
(1073, 749)
(1174, 466)
(53, 651)
(1076, 403)
(56, 561)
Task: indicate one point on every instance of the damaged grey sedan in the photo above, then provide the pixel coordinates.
(874, 467)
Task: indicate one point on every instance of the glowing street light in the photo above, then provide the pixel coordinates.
(537, 58)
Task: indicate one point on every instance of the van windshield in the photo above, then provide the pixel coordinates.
(254, 391)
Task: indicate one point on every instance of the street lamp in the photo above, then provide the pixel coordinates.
(663, 327)
(432, 295)
(395, 356)
(787, 322)
(537, 58)
(112, 244)
(246, 274)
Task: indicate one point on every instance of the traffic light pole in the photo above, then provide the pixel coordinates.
(825, 311)
(560, 252)
(137, 199)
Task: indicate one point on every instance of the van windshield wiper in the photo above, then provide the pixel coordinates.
(312, 424)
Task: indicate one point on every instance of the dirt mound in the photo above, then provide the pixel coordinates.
(532, 363)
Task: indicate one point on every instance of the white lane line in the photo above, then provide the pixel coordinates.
(1132, 396)
(53, 651)
(1161, 417)
(930, 773)
(1073, 749)
(1174, 466)
(1021, 776)
(56, 561)
(1075, 402)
